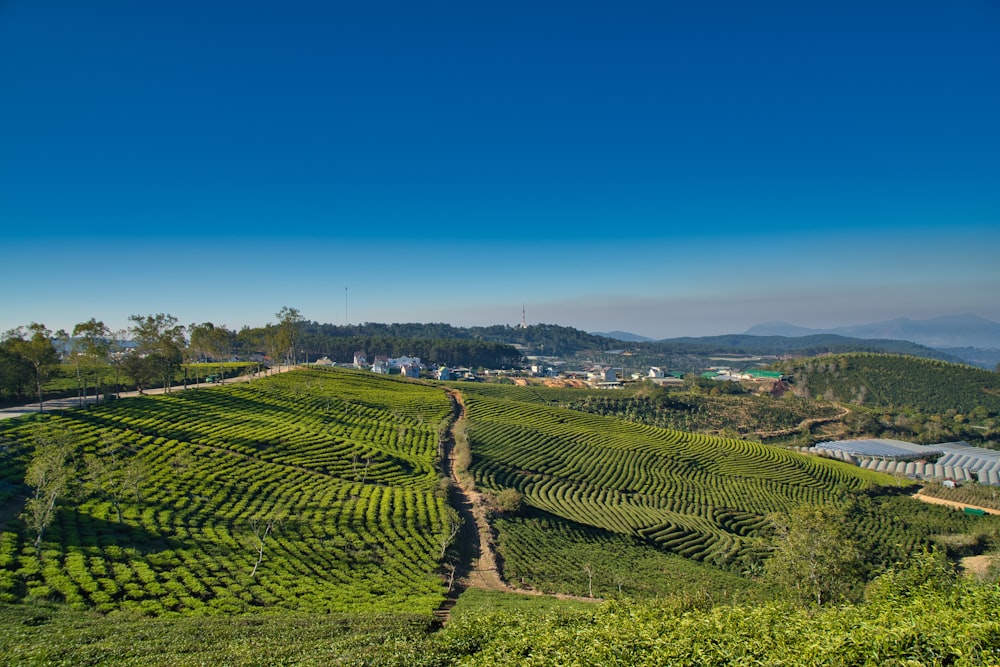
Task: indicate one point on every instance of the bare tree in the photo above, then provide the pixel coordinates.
(262, 527)
(588, 570)
(453, 524)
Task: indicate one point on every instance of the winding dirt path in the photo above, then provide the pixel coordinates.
(478, 568)
(477, 565)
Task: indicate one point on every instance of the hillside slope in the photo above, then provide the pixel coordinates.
(312, 490)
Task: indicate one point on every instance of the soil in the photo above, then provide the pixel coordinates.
(953, 504)
(477, 565)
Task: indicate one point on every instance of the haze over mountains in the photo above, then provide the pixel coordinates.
(939, 332)
(969, 338)
(952, 331)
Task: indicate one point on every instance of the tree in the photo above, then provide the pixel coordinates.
(16, 374)
(38, 352)
(210, 341)
(289, 325)
(452, 524)
(141, 369)
(115, 472)
(117, 352)
(588, 570)
(90, 350)
(262, 527)
(50, 474)
(159, 340)
(813, 555)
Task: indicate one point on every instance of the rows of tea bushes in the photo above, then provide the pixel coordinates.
(746, 416)
(908, 619)
(312, 490)
(917, 615)
(549, 554)
(699, 496)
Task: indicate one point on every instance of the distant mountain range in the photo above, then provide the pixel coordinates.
(962, 338)
(958, 331)
(622, 335)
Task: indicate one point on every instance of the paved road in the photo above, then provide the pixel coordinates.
(57, 404)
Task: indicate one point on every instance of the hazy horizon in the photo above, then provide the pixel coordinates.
(665, 169)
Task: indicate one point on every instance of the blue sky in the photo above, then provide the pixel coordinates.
(662, 168)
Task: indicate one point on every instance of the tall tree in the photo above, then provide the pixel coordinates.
(117, 353)
(159, 341)
(16, 374)
(50, 474)
(36, 348)
(91, 348)
(289, 332)
(210, 341)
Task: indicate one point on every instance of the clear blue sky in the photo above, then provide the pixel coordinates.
(665, 168)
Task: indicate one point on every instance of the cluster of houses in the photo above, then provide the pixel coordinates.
(722, 373)
(603, 377)
(410, 367)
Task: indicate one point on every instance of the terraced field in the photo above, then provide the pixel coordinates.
(698, 496)
(342, 468)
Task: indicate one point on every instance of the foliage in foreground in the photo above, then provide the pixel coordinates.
(918, 615)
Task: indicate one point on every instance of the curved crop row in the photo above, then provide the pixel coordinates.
(313, 490)
(703, 497)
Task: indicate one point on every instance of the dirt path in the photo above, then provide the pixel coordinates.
(951, 503)
(805, 425)
(477, 566)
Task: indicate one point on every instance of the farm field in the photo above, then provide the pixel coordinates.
(302, 519)
(705, 498)
(307, 491)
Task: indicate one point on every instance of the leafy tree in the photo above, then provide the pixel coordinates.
(142, 370)
(117, 353)
(50, 474)
(90, 351)
(115, 472)
(16, 374)
(813, 555)
(210, 341)
(159, 340)
(36, 349)
(509, 501)
(289, 332)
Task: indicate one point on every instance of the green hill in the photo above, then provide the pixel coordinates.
(343, 467)
(909, 397)
(302, 519)
(705, 498)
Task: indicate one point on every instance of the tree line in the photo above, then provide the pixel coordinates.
(151, 351)
(154, 350)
